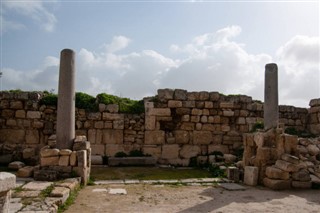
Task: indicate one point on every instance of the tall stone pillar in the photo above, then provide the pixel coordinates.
(271, 105)
(66, 100)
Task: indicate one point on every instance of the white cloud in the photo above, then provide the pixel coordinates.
(30, 9)
(118, 43)
(299, 69)
(212, 62)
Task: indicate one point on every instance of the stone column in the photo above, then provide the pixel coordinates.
(66, 100)
(7, 182)
(271, 106)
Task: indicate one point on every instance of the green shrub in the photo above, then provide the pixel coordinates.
(85, 101)
(121, 155)
(216, 171)
(49, 99)
(256, 126)
(126, 105)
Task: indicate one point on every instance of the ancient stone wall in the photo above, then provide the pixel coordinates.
(176, 126)
(314, 117)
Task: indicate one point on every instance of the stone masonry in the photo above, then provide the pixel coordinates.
(176, 126)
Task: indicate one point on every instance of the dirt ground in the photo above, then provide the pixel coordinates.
(188, 199)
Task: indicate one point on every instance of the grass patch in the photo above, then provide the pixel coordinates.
(72, 197)
(46, 192)
(147, 173)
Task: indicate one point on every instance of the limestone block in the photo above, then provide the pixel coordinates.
(208, 104)
(82, 158)
(290, 143)
(113, 108)
(32, 137)
(174, 104)
(227, 105)
(94, 116)
(28, 153)
(203, 96)
(170, 151)
(20, 114)
(154, 137)
(112, 149)
(49, 161)
(183, 111)
(228, 113)
(98, 124)
(180, 94)
(112, 116)
(259, 139)
(165, 94)
(314, 128)
(159, 112)
(302, 175)
(83, 173)
(233, 173)
(214, 96)
(65, 152)
(302, 150)
(286, 166)
(73, 158)
(12, 136)
(187, 126)
(96, 160)
(189, 151)
(178, 162)
(49, 152)
(84, 145)
(277, 184)
(92, 135)
(80, 138)
(313, 149)
(7, 113)
(25, 172)
(290, 158)
(275, 173)
(225, 128)
(153, 150)
(64, 160)
(7, 181)
(302, 184)
(241, 120)
(150, 122)
(181, 136)
(118, 124)
(112, 136)
(33, 114)
(202, 137)
(229, 158)
(189, 104)
(61, 192)
(98, 149)
(16, 165)
(102, 107)
(251, 174)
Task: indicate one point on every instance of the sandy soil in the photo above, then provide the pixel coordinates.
(189, 199)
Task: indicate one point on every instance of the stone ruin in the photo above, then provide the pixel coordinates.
(278, 160)
(65, 155)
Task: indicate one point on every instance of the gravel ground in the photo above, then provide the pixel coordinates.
(188, 199)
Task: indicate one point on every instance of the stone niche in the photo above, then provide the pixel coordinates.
(57, 164)
(283, 161)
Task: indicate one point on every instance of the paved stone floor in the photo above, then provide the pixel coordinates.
(31, 196)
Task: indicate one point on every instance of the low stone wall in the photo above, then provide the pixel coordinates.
(176, 126)
(283, 161)
(57, 164)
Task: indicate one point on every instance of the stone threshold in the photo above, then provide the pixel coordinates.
(190, 181)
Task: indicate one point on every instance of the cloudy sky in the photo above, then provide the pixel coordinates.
(132, 48)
